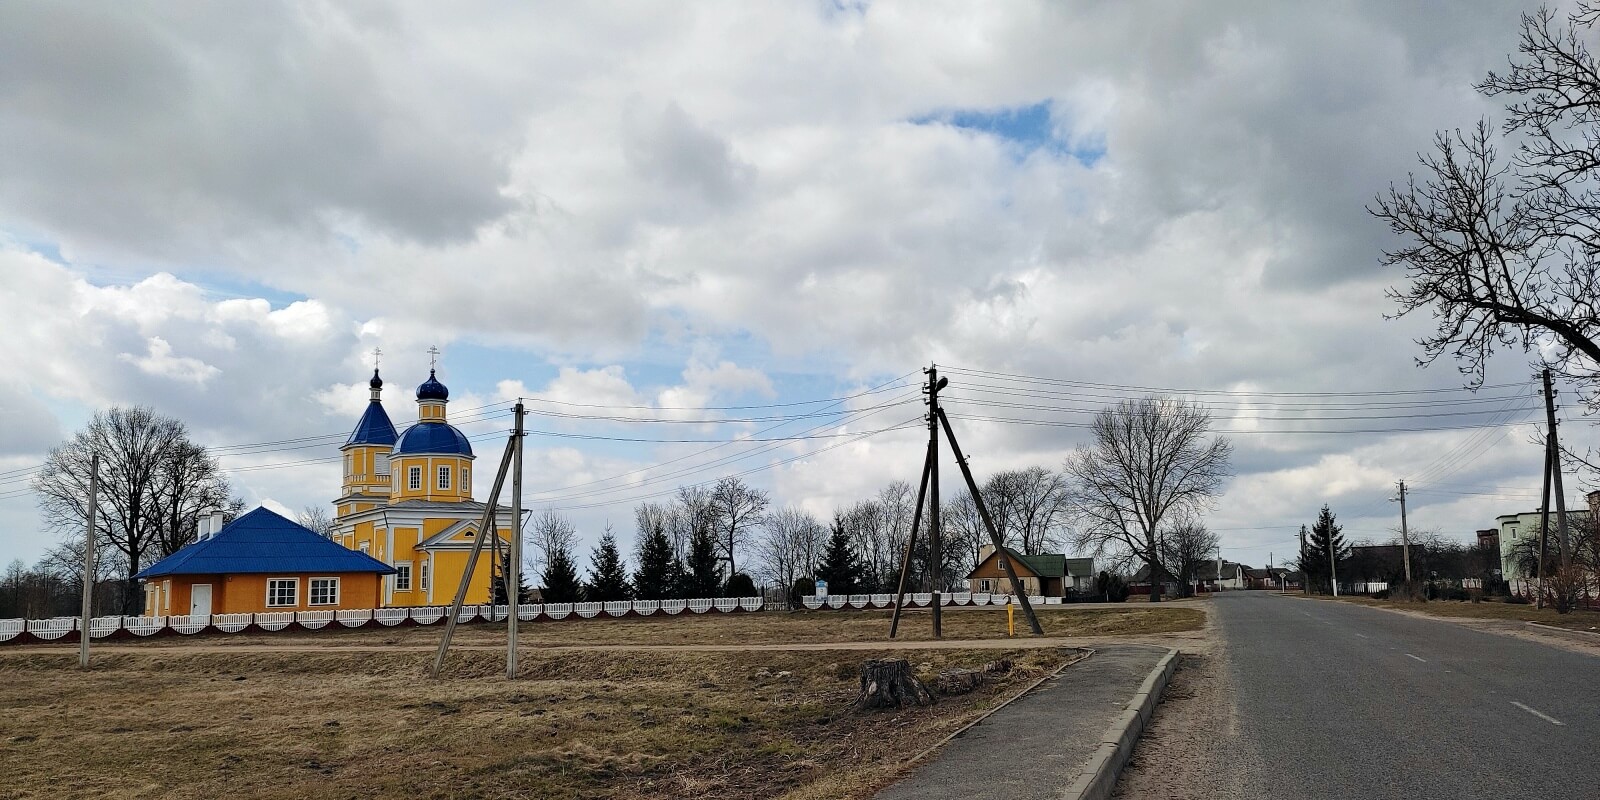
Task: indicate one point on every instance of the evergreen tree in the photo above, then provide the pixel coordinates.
(656, 578)
(1325, 538)
(739, 585)
(703, 573)
(561, 578)
(524, 595)
(608, 578)
(840, 566)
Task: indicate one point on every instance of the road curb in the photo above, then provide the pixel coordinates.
(1099, 775)
(1586, 635)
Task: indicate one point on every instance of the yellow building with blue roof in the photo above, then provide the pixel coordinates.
(407, 501)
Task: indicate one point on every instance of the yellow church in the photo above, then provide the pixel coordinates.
(407, 501)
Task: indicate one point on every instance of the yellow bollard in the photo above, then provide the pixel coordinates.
(1011, 618)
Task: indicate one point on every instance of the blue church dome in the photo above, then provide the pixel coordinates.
(432, 438)
(432, 389)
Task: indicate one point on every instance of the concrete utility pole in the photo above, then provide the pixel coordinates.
(1405, 534)
(486, 529)
(1555, 470)
(88, 563)
(513, 577)
(1333, 566)
(1544, 518)
(1305, 585)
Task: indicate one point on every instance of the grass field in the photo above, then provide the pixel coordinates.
(305, 715)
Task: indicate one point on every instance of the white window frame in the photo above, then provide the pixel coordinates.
(311, 591)
(414, 478)
(274, 583)
(402, 571)
(349, 463)
(444, 477)
(985, 586)
(365, 547)
(422, 577)
(466, 478)
(380, 463)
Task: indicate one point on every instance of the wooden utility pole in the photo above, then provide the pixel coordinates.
(1555, 473)
(88, 563)
(513, 579)
(935, 533)
(1544, 518)
(988, 522)
(929, 491)
(911, 543)
(486, 529)
(1405, 535)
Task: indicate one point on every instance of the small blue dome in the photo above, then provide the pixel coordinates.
(432, 438)
(432, 389)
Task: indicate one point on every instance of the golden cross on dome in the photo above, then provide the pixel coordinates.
(433, 357)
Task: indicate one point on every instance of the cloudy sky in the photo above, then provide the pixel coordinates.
(671, 211)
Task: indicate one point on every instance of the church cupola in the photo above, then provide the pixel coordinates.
(431, 399)
(366, 455)
(432, 460)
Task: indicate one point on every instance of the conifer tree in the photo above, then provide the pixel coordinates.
(702, 574)
(656, 578)
(608, 578)
(1325, 538)
(840, 566)
(561, 578)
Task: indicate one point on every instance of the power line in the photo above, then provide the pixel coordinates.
(1224, 392)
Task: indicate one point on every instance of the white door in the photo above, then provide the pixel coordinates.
(200, 600)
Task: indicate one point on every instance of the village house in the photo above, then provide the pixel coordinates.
(261, 562)
(1042, 574)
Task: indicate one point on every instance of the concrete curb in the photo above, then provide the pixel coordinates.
(1584, 635)
(1099, 777)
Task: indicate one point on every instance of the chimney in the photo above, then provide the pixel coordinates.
(984, 552)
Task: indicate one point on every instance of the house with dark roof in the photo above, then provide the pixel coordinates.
(261, 562)
(1042, 574)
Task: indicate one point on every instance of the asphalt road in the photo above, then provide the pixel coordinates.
(1341, 701)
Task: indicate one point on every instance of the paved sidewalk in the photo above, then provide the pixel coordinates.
(1033, 748)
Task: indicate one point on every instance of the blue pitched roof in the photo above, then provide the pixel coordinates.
(433, 438)
(262, 541)
(374, 427)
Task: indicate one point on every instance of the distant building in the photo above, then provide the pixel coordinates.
(262, 562)
(1044, 574)
(1489, 541)
(1518, 527)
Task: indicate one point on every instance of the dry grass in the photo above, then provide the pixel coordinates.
(161, 722)
(1577, 620)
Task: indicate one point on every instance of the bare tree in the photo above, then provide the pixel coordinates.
(137, 448)
(692, 510)
(1503, 252)
(188, 482)
(738, 508)
(1186, 547)
(316, 518)
(789, 545)
(1149, 463)
(1035, 507)
(964, 532)
(552, 534)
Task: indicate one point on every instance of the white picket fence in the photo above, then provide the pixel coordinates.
(100, 627)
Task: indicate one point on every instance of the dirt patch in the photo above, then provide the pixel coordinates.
(576, 724)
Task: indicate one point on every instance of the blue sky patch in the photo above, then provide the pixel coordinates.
(1027, 128)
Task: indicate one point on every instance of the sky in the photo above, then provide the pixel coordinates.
(753, 220)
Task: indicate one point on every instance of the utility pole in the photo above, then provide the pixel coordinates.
(1555, 473)
(486, 530)
(513, 577)
(1544, 518)
(1405, 535)
(930, 490)
(1333, 566)
(934, 385)
(88, 563)
(1305, 584)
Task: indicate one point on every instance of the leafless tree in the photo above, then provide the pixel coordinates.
(1149, 463)
(964, 532)
(1505, 252)
(143, 507)
(738, 508)
(552, 533)
(789, 546)
(1187, 546)
(316, 518)
(1035, 507)
(692, 509)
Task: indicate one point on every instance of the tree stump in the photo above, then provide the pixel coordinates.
(889, 683)
(958, 681)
